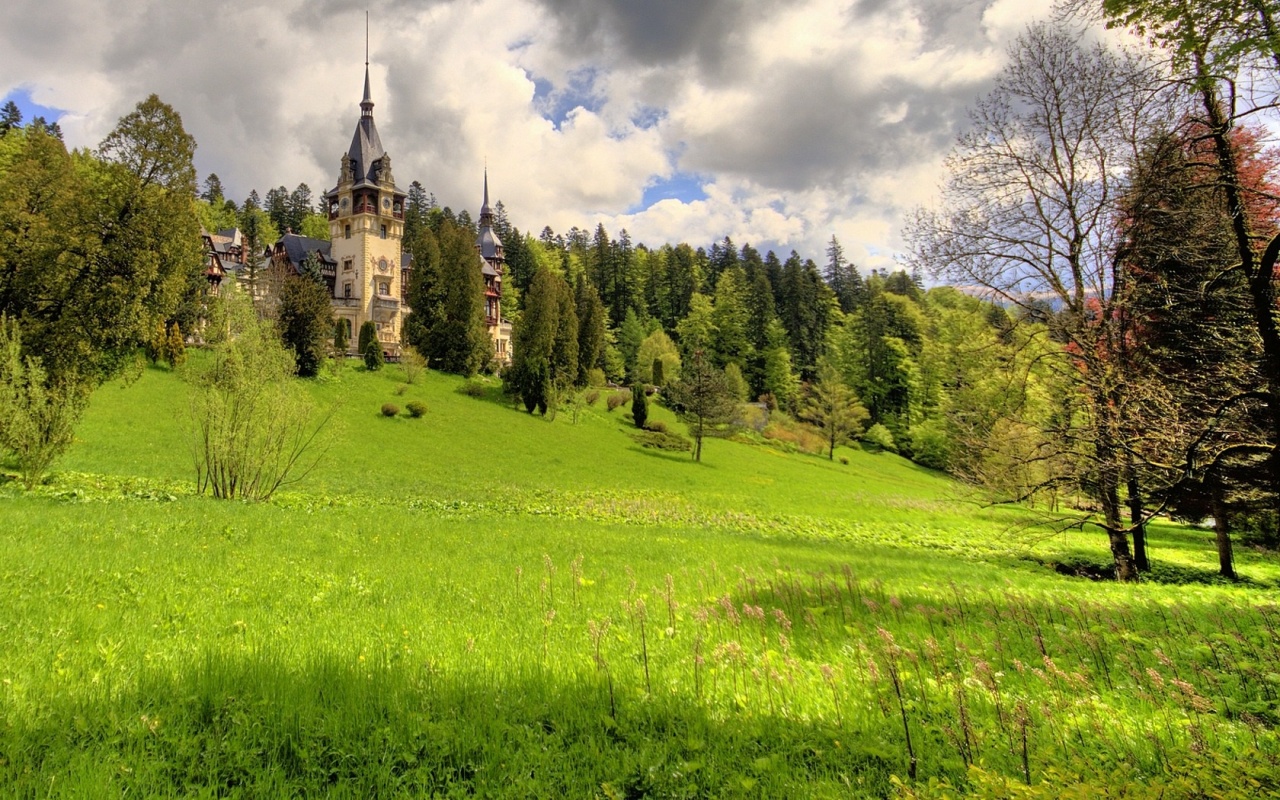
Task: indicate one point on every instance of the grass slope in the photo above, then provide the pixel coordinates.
(484, 602)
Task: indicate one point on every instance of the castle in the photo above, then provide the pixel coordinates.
(363, 263)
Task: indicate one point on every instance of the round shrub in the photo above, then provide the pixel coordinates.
(592, 396)
(617, 398)
(472, 388)
(416, 408)
(390, 410)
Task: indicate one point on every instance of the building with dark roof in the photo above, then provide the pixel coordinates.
(492, 266)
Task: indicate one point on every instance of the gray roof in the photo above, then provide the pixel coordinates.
(297, 247)
(366, 146)
(487, 241)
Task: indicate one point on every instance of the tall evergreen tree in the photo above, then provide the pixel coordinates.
(591, 328)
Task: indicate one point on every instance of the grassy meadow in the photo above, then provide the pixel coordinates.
(482, 602)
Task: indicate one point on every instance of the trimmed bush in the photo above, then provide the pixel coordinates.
(657, 426)
(656, 440)
(639, 405)
(595, 377)
(617, 399)
(472, 388)
(592, 396)
(373, 358)
(390, 410)
(416, 408)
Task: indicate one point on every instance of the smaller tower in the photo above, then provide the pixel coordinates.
(493, 264)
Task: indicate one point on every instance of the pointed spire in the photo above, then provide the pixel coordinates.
(366, 105)
(484, 207)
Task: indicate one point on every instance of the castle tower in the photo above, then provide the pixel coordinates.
(366, 225)
(493, 265)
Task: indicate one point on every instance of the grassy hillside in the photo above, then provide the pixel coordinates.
(481, 601)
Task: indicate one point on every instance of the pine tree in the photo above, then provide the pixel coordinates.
(702, 399)
(834, 407)
(10, 117)
(591, 328)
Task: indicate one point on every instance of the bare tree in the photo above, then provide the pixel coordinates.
(1029, 215)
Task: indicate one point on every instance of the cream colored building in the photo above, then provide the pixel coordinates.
(366, 226)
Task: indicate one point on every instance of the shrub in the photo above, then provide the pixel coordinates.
(930, 445)
(37, 416)
(660, 440)
(401, 389)
(617, 399)
(592, 397)
(390, 410)
(596, 378)
(639, 405)
(795, 436)
(373, 358)
(416, 408)
(252, 426)
(340, 336)
(413, 364)
(878, 436)
(844, 460)
(657, 426)
(472, 388)
(368, 333)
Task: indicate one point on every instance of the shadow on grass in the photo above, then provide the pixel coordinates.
(252, 725)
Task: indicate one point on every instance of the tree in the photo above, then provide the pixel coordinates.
(832, 406)
(779, 379)
(657, 347)
(341, 328)
(368, 333)
(175, 351)
(373, 357)
(730, 319)
(212, 193)
(94, 253)
(305, 316)
(639, 405)
(1023, 220)
(542, 360)
(702, 399)
(10, 117)
(591, 328)
(1215, 48)
(446, 293)
(151, 144)
(37, 415)
(252, 428)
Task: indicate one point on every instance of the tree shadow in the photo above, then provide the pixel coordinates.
(251, 724)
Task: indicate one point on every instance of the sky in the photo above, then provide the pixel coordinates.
(778, 123)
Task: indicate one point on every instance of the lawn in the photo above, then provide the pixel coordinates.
(484, 602)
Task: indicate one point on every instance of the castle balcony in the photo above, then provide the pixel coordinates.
(386, 301)
(347, 302)
(492, 322)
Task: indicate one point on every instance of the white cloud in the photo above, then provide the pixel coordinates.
(807, 117)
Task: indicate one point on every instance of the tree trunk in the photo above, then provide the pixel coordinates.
(1222, 533)
(1135, 522)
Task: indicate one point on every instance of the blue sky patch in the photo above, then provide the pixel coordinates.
(683, 186)
(31, 109)
(554, 104)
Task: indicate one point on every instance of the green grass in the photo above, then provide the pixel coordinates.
(484, 602)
